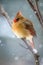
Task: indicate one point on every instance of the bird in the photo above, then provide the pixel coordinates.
(23, 28)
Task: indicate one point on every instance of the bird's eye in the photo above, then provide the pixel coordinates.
(17, 19)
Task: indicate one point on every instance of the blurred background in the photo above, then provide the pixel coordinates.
(11, 53)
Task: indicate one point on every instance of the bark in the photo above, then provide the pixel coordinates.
(36, 56)
(5, 14)
(36, 10)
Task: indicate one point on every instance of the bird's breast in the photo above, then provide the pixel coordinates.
(20, 30)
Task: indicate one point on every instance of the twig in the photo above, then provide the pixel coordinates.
(36, 55)
(23, 46)
(36, 10)
(5, 14)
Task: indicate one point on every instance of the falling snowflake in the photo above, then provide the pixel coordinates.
(31, 16)
(16, 58)
(35, 12)
(13, 36)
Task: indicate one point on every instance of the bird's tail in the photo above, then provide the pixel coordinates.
(30, 47)
(31, 43)
(33, 46)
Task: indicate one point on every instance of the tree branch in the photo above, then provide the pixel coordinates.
(36, 56)
(36, 10)
(5, 14)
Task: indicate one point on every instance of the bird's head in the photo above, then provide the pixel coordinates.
(18, 17)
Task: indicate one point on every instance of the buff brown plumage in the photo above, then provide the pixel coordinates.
(23, 28)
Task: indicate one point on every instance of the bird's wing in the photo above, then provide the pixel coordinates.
(29, 26)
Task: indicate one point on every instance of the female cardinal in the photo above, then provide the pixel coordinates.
(23, 28)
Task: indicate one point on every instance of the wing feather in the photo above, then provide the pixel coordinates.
(29, 26)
